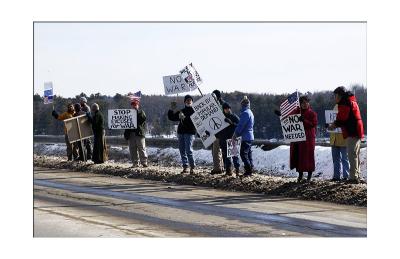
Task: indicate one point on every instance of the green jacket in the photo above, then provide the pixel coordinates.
(141, 126)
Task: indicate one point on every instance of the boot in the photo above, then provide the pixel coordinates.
(247, 171)
(300, 178)
(191, 170)
(309, 176)
(237, 172)
(185, 170)
(216, 171)
(228, 171)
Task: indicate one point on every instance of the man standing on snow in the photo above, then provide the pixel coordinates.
(245, 130)
(86, 142)
(136, 137)
(349, 120)
(66, 115)
(216, 148)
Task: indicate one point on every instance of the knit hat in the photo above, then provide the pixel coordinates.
(83, 99)
(217, 94)
(188, 96)
(245, 101)
(226, 106)
(95, 107)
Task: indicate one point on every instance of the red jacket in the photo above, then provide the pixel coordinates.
(302, 153)
(349, 118)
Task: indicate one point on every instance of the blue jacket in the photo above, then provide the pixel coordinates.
(246, 123)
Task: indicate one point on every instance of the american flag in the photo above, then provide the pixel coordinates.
(290, 104)
(135, 96)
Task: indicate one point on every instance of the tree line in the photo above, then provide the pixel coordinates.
(267, 124)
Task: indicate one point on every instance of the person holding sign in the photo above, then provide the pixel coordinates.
(302, 153)
(349, 120)
(186, 132)
(226, 134)
(339, 154)
(66, 115)
(245, 130)
(99, 144)
(136, 137)
(216, 147)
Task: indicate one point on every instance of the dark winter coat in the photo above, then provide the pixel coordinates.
(227, 133)
(99, 141)
(302, 153)
(186, 125)
(349, 117)
(141, 126)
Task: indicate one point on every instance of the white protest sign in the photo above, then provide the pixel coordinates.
(191, 76)
(122, 119)
(208, 116)
(293, 129)
(175, 84)
(330, 117)
(48, 92)
(233, 147)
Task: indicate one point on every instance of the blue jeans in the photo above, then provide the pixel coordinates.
(340, 161)
(228, 160)
(246, 154)
(186, 149)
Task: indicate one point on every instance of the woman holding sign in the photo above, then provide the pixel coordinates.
(186, 132)
(302, 153)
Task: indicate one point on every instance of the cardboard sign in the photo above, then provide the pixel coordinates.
(122, 119)
(233, 147)
(78, 128)
(191, 76)
(208, 116)
(48, 92)
(175, 84)
(330, 117)
(293, 129)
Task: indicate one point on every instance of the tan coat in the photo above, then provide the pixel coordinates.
(336, 139)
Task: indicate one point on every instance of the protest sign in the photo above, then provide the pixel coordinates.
(330, 117)
(293, 129)
(233, 147)
(122, 119)
(208, 116)
(175, 84)
(191, 76)
(78, 128)
(48, 92)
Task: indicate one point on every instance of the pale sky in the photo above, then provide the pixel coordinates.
(115, 58)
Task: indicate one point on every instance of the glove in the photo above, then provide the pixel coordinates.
(277, 112)
(207, 133)
(326, 125)
(301, 118)
(234, 136)
(182, 116)
(227, 120)
(55, 114)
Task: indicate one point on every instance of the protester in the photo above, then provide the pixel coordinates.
(339, 154)
(216, 148)
(86, 142)
(186, 132)
(136, 137)
(99, 144)
(226, 134)
(349, 120)
(66, 115)
(77, 145)
(244, 129)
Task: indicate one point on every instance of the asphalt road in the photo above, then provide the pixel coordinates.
(73, 204)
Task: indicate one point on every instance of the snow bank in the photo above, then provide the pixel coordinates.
(274, 162)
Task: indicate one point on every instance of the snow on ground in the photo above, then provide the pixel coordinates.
(274, 162)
